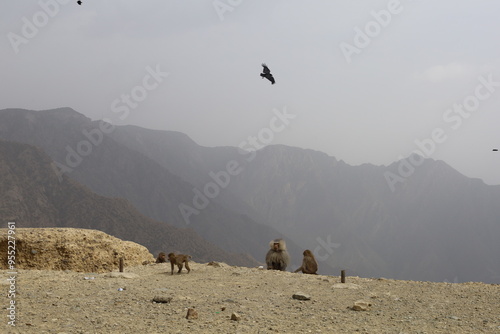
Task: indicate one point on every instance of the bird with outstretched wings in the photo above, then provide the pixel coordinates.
(266, 73)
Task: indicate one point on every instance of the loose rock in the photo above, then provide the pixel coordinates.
(162, 299)
(191, 314)
(361, 305)
(301, 296)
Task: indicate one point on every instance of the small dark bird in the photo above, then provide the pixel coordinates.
(79, 2)
(266, 73)
(495, 150)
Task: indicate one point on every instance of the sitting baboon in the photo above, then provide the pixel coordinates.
(309, 264)
(179, 260)
(277, 257)
(162, 258)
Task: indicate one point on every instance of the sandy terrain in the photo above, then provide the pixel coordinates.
(72, 302)
(63, 284)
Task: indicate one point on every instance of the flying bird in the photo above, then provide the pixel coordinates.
(266, 73)
(495, 150)
(79, 2)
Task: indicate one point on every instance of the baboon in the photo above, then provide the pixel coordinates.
(179, 260)
(277, 257)
(309, 264)
(162, 258)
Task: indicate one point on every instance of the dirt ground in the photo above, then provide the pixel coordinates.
(49, 301)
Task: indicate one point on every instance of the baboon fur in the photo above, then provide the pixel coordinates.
(162, 258)
(179, 260)
(309, 264)
(277, 257)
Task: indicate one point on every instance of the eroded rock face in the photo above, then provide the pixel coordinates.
(72, 249)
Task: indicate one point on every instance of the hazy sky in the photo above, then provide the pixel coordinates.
(365, 80)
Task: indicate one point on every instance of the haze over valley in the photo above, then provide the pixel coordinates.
(365, 132)
(432, 223)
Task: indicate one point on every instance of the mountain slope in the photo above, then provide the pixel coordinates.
(436, 225)
(33, 195)
(86, 152)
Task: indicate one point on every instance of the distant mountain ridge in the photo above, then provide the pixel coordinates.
(437, 225)
(110, 169)
(424, 230)
(32, 195)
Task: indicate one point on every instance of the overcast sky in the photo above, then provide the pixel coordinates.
(365, 80)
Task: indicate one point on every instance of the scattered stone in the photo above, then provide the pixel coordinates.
(162, 299)
(301, 296)
(361, 305)
(69, 303)
(191, 314)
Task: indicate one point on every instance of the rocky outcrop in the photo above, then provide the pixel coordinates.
(72, 249)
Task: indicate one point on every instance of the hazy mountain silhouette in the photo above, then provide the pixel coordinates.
(32, 195)
(113, 170)
(436, 225)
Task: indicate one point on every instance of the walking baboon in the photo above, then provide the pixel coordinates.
(161, 258)
(179, 260)
(277, 257)
(309, 264)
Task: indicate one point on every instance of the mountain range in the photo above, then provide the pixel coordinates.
(433, 223)
(84, 150)
(32, 194)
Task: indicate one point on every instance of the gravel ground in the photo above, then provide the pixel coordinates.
(73, 302)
